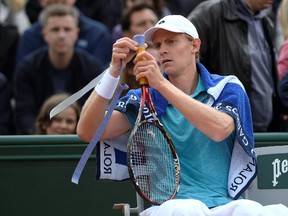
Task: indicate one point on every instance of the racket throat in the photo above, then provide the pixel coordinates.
(144, 89)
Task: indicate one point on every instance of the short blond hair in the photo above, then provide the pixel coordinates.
(59, 10)
(197, 56)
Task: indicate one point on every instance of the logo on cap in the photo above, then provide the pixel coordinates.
(163, 21)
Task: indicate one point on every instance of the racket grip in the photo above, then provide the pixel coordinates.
(140, 39)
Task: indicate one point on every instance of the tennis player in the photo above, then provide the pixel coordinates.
(208, 118)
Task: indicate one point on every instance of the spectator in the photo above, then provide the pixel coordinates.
(282, 62)
(136, 20)
(94, 36)
(6, 111)
(64, 122)
(53, 69)
(237, 39)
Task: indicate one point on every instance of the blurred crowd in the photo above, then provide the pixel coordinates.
(50, 49)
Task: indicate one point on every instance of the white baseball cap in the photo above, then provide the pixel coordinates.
(173, 23)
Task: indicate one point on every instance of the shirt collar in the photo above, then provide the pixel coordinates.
(200, 87)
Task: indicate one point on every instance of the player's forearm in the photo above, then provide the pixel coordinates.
(213, 123)
(95, 107)
(91, 116)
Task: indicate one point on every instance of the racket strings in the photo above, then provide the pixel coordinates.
(153, 163)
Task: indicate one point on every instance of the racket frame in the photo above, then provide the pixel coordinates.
(156, 122)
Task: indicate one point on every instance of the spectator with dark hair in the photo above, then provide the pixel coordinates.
(57, 68)
(135, 20)
(94, 36)
(6, 111)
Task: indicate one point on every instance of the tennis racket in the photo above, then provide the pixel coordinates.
(153, 163)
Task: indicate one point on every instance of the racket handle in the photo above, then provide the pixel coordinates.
(140, 39)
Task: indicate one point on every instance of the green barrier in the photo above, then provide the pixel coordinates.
(36, 171)
(35, 179)
(270, 139)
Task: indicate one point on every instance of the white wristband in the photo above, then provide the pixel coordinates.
(107, 85)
